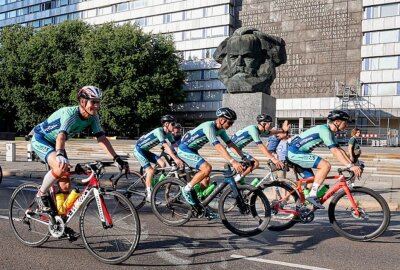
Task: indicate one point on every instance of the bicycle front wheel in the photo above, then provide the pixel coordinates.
(248, 218)
(284, 201)
(168, 204)
(30, 227)
(136, 191)
(110, 243)
(373, 218)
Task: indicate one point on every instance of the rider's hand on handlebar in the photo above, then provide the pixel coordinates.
(122, 164)
(179, 163)
(238, 167)
(357, 170)
(278, 164)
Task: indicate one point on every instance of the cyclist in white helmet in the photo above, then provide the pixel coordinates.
(49, 139)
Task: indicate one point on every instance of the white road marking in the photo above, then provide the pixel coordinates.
(294, 265)
(3, 217)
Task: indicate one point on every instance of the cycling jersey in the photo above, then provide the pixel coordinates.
(196, 139)
(204, 133)
(68, 120)
(153, 138)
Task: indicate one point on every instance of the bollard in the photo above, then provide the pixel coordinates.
(29, 152)
(10, 152)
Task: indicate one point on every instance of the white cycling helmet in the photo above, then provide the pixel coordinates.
(89, 92)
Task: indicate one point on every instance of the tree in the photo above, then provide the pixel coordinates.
(139, 72)
(42, 71)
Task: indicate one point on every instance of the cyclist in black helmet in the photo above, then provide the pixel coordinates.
(252, 133)
(197, 138)
(302, 145)
(142, 152)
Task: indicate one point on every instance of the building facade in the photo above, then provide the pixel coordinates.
(341, 53)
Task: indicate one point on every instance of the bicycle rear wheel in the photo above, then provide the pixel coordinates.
(31, 230)
(114, 243)
(136, 191)
(168, 204)
(281, 219)
(374, 215)
(249, 219)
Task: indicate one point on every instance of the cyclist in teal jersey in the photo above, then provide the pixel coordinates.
(48, 140)
(142, 152)
(197, 138)
(252, 134)
(302, 145)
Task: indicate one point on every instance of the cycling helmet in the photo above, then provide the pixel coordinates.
(89, 92)
(178, 125)
(338, 115)
(167, 118)
(264, 118)
(226, 113)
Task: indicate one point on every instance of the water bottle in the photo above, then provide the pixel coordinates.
(209, 189)
(71, 198)
(60, 203)
(237, 178)
(162, 177)
(255, 182)
(322, 190)
(199, 192)
(306, 191)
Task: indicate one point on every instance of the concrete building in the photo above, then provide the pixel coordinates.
(341, 53)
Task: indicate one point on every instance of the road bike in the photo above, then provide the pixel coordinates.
(243, 209)
(356, 213)
(136, 191)
(108, 222)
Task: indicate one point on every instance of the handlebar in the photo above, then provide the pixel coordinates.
(230, 172)
(351, 173)
(96, 168)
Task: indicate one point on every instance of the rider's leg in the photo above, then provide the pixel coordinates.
(324, 167)
(204, 171)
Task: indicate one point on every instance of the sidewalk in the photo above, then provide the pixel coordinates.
(382, 173)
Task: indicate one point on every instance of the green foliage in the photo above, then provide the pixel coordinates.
(42, 71)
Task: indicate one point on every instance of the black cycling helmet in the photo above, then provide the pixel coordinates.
(167, 118)
(177, 125)
(264, 118)
(338, 115)
(226, 113)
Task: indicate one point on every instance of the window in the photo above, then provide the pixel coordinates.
(195, 75)
(123, 7)
(35, 8)
(47, 21)
(138, 4)
(104, 11)
(61, 18)
(196, 34)
(194, 14)
(212, 95)
(2, 2)
(167, 18)
(2, 16)
(157, 20)
(378, 37)
(75, 16)
(389, 10)
(208, 53)
(177, 36)
(381, 11)
(381, 89)
(193, 96)
(22, 11)
(211, 74)
(216, 31)
(176, 17)
(140, 21)
(379, 63)
(46, 6)
(61, 3)
(12, 14)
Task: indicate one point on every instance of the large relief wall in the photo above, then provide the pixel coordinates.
(323, 42)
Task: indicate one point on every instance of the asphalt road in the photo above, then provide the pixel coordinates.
(202, 244)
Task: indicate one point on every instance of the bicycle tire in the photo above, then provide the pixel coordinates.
(1, 175)
(136, 191)
(256, 216)
(347, 224)
(168, 204)
(29, 231)
(281, 220)
(111, 245)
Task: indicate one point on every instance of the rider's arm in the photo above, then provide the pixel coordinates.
(350, 148)
(341, 155)
(235, 150)
(106, 145)
(169, 149)
(60, 141)
(285, 128)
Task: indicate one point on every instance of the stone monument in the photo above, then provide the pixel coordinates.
(248, 60)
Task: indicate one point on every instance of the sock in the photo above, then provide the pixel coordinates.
(148, 190)
(49, 179)
(314, 189)
(188, 187)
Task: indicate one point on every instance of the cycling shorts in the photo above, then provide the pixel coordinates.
(190, 157)
(306, 161)
(145, 157)
(236, 157)
(42, 147)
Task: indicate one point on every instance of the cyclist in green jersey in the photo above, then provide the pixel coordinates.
(301, 146)
(161, 135)
(48, 140)
(252, 134)
(197, 138)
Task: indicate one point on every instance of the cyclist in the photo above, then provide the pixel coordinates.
(301, 146)
(197, 138)
(142, 152)
(177, 133)
(48, 140)
(252, 133)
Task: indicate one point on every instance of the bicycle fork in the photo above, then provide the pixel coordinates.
(105, 217)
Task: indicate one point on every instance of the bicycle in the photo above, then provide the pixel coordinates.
(109, 224)
(244, 209)
(136, 191)
(350, 209)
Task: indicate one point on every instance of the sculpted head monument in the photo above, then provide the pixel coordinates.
(248, 59)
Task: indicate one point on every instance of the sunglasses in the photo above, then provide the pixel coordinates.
(95, 101)
(173, 124)
(230, 122)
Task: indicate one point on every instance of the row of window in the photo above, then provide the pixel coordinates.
(381, 89)
(203, 85)
(378, 63)
(198, 54)
(197, 75)
(381, 11)
(213, 95)
(61, 3)
(379, 37)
